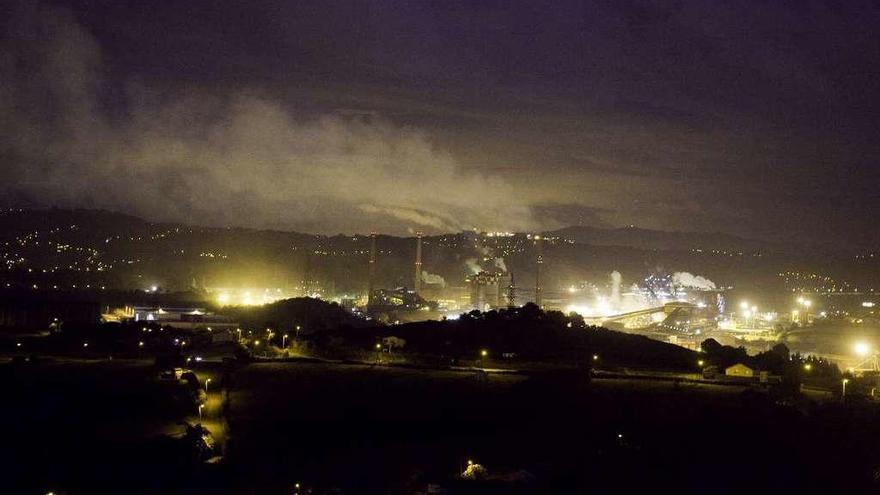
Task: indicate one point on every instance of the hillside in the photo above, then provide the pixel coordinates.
(525, 334)
(76, 249)
(311, 315)
(666, 241)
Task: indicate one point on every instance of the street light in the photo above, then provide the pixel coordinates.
(483, 354)
(378, 351)
(207, 381)
(844, 381)
(808, 367)
(200, 411)
(700, 363)
(284, 341)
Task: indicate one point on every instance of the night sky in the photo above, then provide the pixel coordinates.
(754, 118)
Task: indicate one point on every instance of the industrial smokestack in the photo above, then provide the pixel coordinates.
(538, 262)
(372, 275)
(417, 283)
(511, 293)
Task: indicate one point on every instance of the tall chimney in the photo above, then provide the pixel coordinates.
(417, 283)
(372, 275)
(538, 262)
(511, 293)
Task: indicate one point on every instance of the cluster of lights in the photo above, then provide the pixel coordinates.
(722, 252)
(248, 297)
(815, 282)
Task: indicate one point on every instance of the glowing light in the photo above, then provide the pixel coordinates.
(484, 353)
(223, 299)
(867, 304)
(862, 348)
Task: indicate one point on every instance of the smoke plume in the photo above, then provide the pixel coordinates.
(473, 265)
(615, 287)
(688, 280)
(499, 263)
(433, 279)
(230, 157)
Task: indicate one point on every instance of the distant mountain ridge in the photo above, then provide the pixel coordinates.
(94, 248)
(634, 237)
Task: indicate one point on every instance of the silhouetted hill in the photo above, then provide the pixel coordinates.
(663, 240)
(76, 249)
(524, 334)
(311, 315)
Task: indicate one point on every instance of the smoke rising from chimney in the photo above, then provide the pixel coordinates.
(433, 279)
(688, 280)
(499, 263)
(615, 288)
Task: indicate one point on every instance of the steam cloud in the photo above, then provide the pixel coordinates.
(433, 279)
(236, 158)
(473, 265)
(499, 263)
(685, 279)
(615, 287)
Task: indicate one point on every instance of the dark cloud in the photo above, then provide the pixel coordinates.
(219, 157)
(734, 116)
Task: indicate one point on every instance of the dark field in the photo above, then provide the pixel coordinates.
(107, 427)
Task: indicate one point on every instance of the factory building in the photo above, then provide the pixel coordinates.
(490, 290)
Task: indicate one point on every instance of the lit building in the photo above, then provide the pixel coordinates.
(185, 318)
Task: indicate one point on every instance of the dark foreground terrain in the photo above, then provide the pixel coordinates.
(76, 427)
